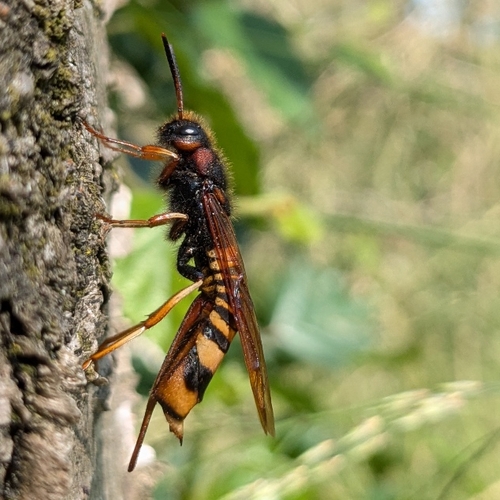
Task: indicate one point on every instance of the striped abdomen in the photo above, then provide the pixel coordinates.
(197, 350)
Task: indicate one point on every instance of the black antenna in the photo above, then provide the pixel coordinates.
(169, 51)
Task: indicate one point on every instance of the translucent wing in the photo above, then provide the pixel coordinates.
(235, 281)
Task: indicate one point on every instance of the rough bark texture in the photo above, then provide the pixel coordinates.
(53, 266)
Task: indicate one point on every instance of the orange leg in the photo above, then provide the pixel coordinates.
(156, 220)
(109, 345)
(150, 152)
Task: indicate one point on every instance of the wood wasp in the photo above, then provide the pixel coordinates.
(194, 177)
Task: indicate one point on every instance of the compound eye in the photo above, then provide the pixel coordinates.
(187, 130)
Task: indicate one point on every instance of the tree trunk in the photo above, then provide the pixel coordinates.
(55, 440)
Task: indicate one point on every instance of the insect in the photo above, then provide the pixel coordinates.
(194, 177)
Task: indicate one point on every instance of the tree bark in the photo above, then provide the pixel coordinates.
(54, 436)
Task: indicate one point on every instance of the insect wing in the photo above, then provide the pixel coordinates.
(234, 277)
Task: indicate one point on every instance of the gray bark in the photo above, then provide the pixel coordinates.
(55, 440)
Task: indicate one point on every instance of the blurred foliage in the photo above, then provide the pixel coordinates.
(364, 138)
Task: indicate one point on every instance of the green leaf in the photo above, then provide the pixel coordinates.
(264, 46)
(315, 319)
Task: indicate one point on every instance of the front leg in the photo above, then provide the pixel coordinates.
(149, 152)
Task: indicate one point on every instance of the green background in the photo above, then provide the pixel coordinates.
(364, 144)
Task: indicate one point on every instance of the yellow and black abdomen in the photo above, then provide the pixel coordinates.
(204, 338)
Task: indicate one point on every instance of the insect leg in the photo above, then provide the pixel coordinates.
(142, 433)
(186, 252)
(109, 345)
(169, 387)
(156, 220)
(149, 152)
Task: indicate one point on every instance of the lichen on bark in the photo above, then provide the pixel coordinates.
(54, 270)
